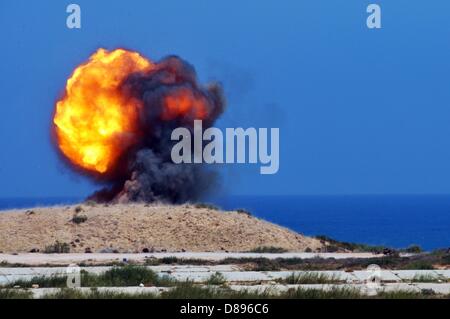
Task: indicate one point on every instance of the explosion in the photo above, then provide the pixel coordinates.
(96, 121)
(115, 119)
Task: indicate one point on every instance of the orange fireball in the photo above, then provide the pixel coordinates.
(96, 121)
(183, 102)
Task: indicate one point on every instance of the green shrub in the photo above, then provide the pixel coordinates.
(446, 259)
(178, 261)
(126, 276)
(216, 279)
(268, 250)
(188, 290)
(401, 294)
(206, 206)
(57, 248)
(425, 278)
(169, 260)
(42, 281)
(96, 294)
(413, 249)
(15, 294)
(336, 245)
(333, 293)
(244, 211)
(78, 209)
(91, 203)
(309, 278)
(420, 265)
(79, 219)
(331, 248)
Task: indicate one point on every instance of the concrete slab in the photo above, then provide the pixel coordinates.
(190, 276)
(187, 268)
(445, 274)
(232, 273)
(337, 275)
(437, 288)
(5, 280)
(59, 259)
(415, 274)
(385, 275)
(340, 275)
(398, 286)
(238, 276)
(41, 292)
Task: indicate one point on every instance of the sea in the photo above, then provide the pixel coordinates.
(392, 220)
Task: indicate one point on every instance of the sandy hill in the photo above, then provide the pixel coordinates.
(139, 227)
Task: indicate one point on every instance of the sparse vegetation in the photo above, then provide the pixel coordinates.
(96, 294)
(309, 278)
(91, 203)
(215, 289)
(413, 249)
(126, 276)
(425, 278)
(333, 293)
(421, 265)
(244, 211)
(169, 260)
(446, 259)
(176, 261)
(257, 264)
(14, 294)
(57, 248)
(422, 261)
(188, 290)
(154, 219)
(42, 281)
(78, 209)
(206, 206)
(407, 294)
(79, 219)
(129, 276)
(335, 245)
(331, 249)
(268, 250)
(426, 261)
(216, 279)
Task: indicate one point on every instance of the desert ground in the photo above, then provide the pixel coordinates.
(137, 228)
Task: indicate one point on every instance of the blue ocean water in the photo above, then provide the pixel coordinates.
(392, 220)
(396, 221)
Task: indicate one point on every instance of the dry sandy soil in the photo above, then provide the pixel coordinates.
(135, 227)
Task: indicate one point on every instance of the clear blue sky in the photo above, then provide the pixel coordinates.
(359, 110)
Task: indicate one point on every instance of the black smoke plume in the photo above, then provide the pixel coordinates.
(146, 172)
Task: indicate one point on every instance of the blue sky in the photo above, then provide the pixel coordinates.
(360, 111)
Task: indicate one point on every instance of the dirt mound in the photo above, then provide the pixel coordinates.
(142, 228)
